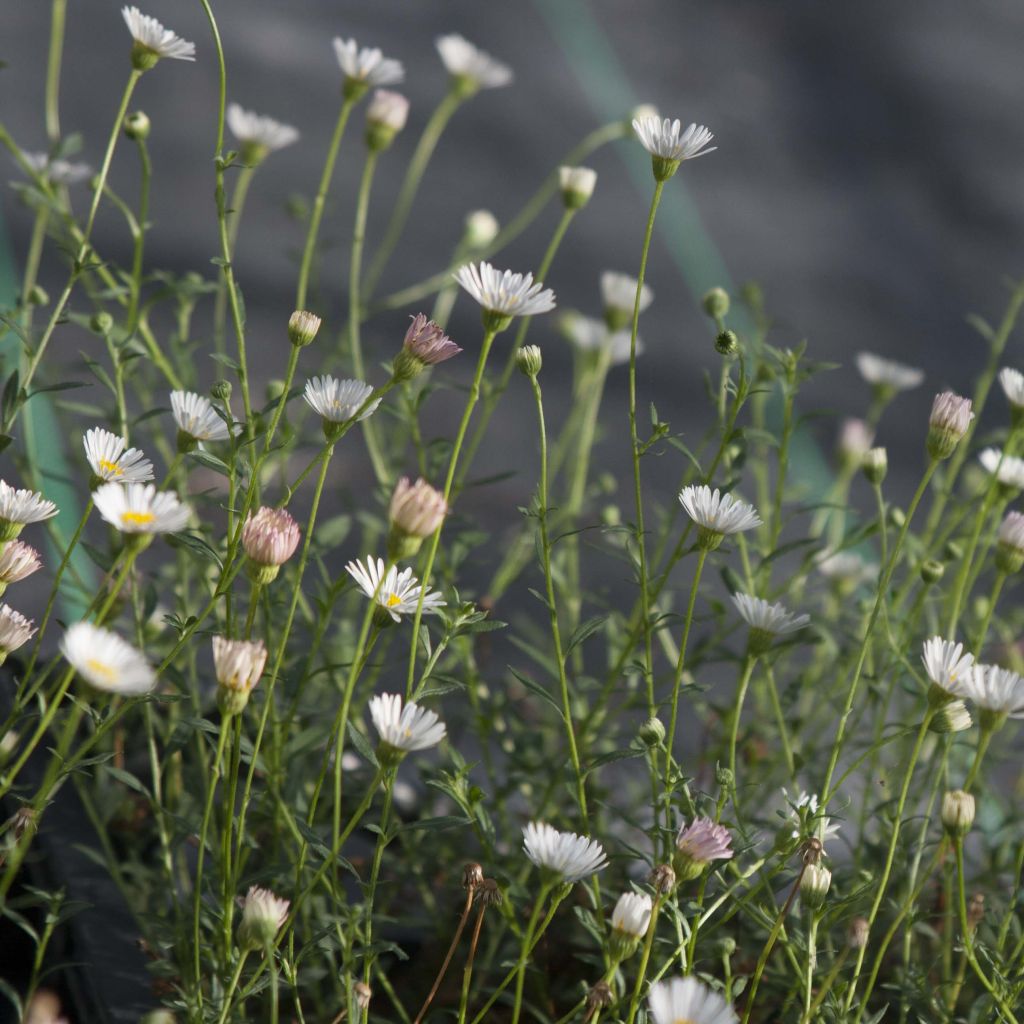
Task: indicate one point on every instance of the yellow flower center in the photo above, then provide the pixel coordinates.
(111, 467)
(392, 600)
(137, 518)
(101, 669)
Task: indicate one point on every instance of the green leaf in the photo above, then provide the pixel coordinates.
(583, 630)
(362, 744)
(441, 824)
(538, 690)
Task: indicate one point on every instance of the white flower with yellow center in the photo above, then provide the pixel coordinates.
(367, 66)
(15, 630)
(947, 665)
(110, 458)
(716, 514)
(405, 728)
(470, 66)
(688, 1001)
(140, 508)
(337, 401)
(996, 689)
(887, 375)
(153, 41)
(398, 593)
(258, 132)
(503, 293)
(107, 662)
(18, 508)
(566, 854)
(196, 417)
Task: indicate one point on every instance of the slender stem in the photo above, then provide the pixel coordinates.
(467, 971)
(238, 196)
(645, 959)
(232, 986)
(741, 693)
(993, 600)
(463, 917)
(371, 889)
(53, 65)
(812, 963)
(780, 721)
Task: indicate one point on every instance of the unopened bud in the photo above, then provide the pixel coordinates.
(953, 551)
(303, 327)
(529, 360)
(875, 465)
(716, 303)
(950, 419)
(221, 390)
(932, 570)
(576, 185)
(481, 229)
(386, 115)
(136, 126)
(274, 389)
(726, 343)
(897, 517)
(726, 947)
(814, 886)
(857, 933)
(652, 732)
(37, 296)
(957, 813)
(952, 716)
(102, 322)
(724, 777)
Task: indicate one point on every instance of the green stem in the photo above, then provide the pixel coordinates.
(238, 196)
(232, 986)
(741, 693)
(53, 65)
(993, 600)
(645, 959)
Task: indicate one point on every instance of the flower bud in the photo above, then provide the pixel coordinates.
(363, 994)
(952, 551)
(726, 343)
(855, 440)
(1010, 544)
(263, 914)
(425, 344)
(630, 919)
(932, 570)
(725, 947)
(303, 327)
(269, 537)
(577, 186)
(950, 419)
(957, 813)
(415, 513)
(652, 733)
(529, 360)
(875, 465)
(897, 517)
(724, 777)
(697, 845)
(951, 716)
(386, 115)
(716, 303)
(221, 390)
(102, 323)
(814, 886)
(38, 296)
(481, 229)
(136, 126)
(238, 665)
(857, 933)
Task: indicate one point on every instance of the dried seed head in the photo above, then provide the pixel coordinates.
(662, 878)
(472, 876)
(812, 851)
(975, 910)
(599, 996)
(363, 994)
(489, 893)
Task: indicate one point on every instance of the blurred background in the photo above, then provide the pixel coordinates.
(868, 175)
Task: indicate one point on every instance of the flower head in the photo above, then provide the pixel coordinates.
(1012, 383)
(698, 844)
(947, 666)
(480, 229)
(590, 335)
(855, 441)
(196, 419)
(259, 135)
(365, 68)
(814, 885)
(404, 729)
(263, 916)
(564, 853)
(845, 567)
(425, 344)
(397, 593)
(886, 375)
(716, 514)
(17, 560)
(152, 41)
(688, 1001)
(303, 327)
(105, 661)
(140, 508)
(576, 185)
(503, 294)
(951, 416)
(386, 115)
(618, 296)
(803, 818)
(415, 513)
(669, 144)
(996, 689)
(1010, 543)
(471, 69)
(238, 665)
(59, 172)
(337, 401)
(269, 537)
(632, 914)
(15, 630)
(766, 620)
(110, 458)
(957, 812)
(18, 508)
(1007, 469)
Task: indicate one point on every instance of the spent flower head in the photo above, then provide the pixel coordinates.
(110, 459)
(688, 1001)
(567, 855)
(403, 729)
(396, 593)
(886, 376)
(697, 845)
(140, 508)
(670, 144)
(716, 514)
(470, 68)
(502, 294)
(15, 630)
(263, 915)
(365, 68)
(151, 40)
(106, 661)
(18, 508)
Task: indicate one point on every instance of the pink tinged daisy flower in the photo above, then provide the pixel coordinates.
(403, 729)
(110, 458)
(425, 344)
(716, 514)
(504, 295)
(396, 593)
(670, 144)
(107, 662)
(887, 376)
(950, 419)
(238, 665)
(15, 630)
(697, 845)
(416, 512)
(1007, 469)
(365, 68)
(1010, 543)
(17, 560)
(152, 41)
(470, 68)
(259, 136)
(18, 508)
(263, 916)
(564, 854)
(947, 666)
(141, 508)
(269, 537)
(688, 1001)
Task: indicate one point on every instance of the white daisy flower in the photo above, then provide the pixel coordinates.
(480, 229)
(388, 110)
(804, 808)
(153, 41)
(107, 662)
(196, 417)
(337, 401)
(888, 375)
(366, 67)
(1012, 383)
(688, 1001)
(238, 664)
(471, 68)
(398, 593)
(618, 293)
(17, 560)
(845, 566)
(405, 728)
(1007, 469)
(15, 630)
(110, 458)
(504, 294)
(60, 172)
(259, 135)
(263, 916)
(772, 619)
(565, 853)
(632, 914)
(668, 140)
(1009, 547)
(590, 335)
(946, 664)
(18, 508)
(995, 689)
(716, 514)
(140, 508)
